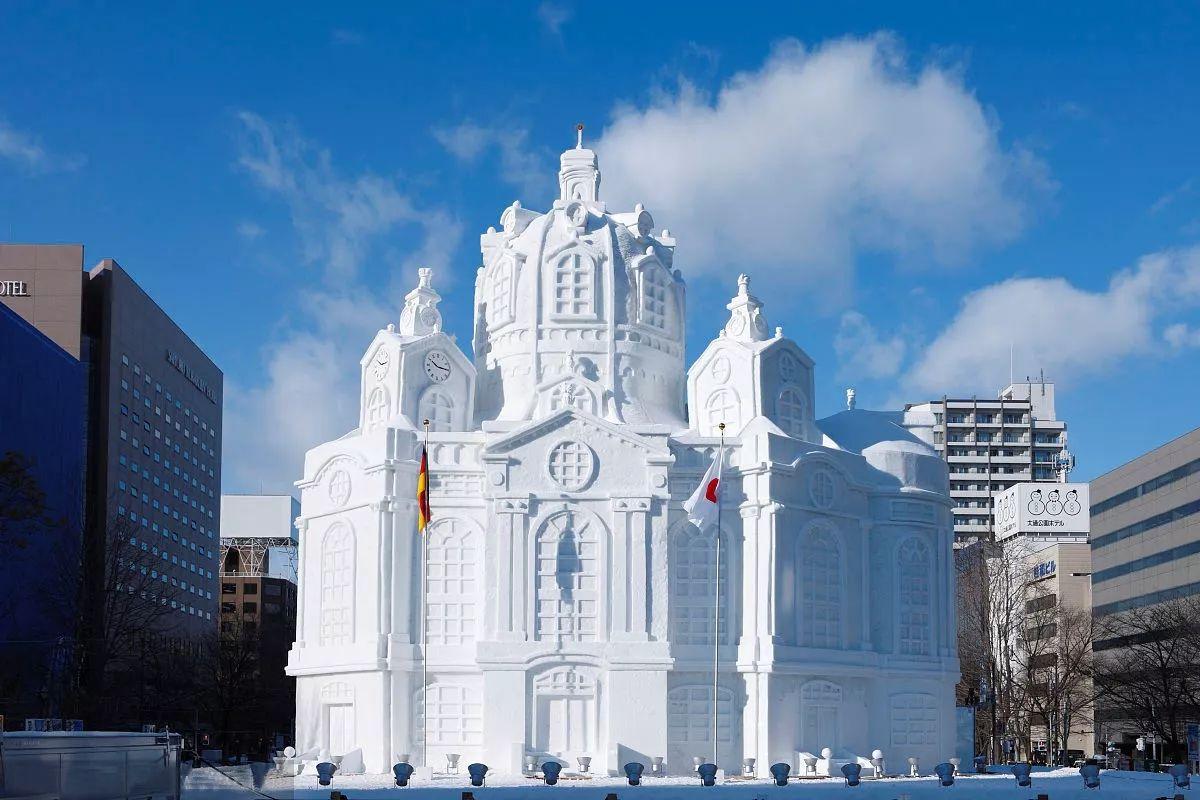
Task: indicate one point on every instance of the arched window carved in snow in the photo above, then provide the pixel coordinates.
(915, 600)
(690, 580)
(567, 564)
(500, 284)
(655, 290)
(820, 594)
(377, 407)
(575, 285)
(437, 406)
(790, 409)
(337, 586)
(722, 406)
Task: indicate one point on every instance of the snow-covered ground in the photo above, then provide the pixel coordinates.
(1060, 784)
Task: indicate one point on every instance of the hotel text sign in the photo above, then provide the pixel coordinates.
(178, 363)
(1043, 508)
(14, 289)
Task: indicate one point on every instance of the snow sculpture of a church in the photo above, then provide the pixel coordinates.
(569, 604)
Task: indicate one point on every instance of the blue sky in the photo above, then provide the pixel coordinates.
(912, 192)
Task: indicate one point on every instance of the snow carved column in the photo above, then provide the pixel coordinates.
(630, 580)
(301, 534)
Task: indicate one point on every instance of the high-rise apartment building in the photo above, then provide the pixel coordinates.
(991, 445)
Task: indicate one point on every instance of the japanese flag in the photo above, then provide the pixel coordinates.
(702, 506)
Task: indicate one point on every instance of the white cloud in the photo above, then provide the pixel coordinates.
(307, 391)
(337, 217)
(26, 151)
(797, 168)
(1181, 336)
(521, 165)
(553, 16)
(1054, 325)
(864, 354)
(249, 230)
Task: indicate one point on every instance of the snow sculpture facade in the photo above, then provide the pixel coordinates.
(569, 603)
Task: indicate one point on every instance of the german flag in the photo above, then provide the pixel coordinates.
(423, 515)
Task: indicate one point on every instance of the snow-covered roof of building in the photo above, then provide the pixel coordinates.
(856, 429)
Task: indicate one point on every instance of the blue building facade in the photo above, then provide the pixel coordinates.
(43, 445)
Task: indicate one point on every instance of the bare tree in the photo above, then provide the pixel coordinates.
(125, 608)
(1149, 669)
(1054, 666)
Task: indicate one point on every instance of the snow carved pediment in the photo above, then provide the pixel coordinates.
(583, 426)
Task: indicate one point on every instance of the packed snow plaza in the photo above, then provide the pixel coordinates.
(569, 603)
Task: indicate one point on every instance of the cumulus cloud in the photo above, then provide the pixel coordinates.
(795, 169)
(24, 150)
(307, 391)
(1068, 331)
(863, 353)
(522, 165)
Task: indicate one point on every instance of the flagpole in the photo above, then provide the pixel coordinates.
(425, 622)
(717, 589)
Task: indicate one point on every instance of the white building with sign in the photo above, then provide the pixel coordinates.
(569, 607)
(1043, 510)
(1044, 528)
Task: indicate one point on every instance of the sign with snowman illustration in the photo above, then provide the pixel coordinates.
(1043, 509)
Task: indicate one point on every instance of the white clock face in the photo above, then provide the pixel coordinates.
(381, 364)
(437, 366)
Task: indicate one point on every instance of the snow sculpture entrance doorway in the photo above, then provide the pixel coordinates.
(338, 702)
(564, 718)
(820, 716)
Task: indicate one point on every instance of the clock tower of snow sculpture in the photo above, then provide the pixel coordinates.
(416, 371)
(746, 373)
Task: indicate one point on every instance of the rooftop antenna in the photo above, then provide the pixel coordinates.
(1010, 362)
(579, 136)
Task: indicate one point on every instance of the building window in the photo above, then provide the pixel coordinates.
(820, 588)
(722, 406)
(437, 407)
(573, 285)
(455, 716)
(915, 597)
(501, 279)
(791, 412)
(377, 406)
(337, 586)
(654, 297)
(249, 588)
(451, 586)
(691, 576)
(571, 465)
(228, 588)
(567, 569)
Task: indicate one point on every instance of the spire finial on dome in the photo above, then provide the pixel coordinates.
(746, 322)
(579, 136)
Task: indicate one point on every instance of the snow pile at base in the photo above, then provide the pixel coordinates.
(1059, 784)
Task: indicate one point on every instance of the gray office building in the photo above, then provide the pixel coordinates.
(154, 444)
(1146, 529)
